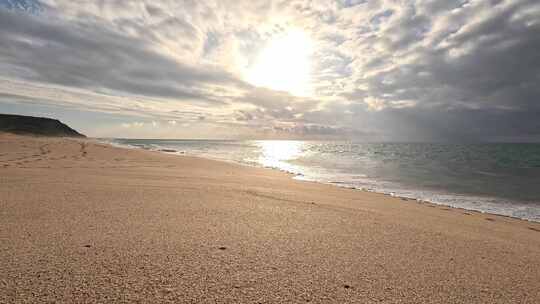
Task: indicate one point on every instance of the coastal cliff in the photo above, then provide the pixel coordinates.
(29, 125)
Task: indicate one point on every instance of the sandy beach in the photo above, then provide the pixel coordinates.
(85, 222)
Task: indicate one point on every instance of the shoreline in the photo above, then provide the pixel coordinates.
(300, 177)
(84, 221)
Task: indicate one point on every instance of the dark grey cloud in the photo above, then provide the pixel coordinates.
(155, 10)
(312, 130)
(478, 81)
(460, 125)
(85, 54)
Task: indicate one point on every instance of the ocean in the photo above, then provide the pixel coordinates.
(494, 178)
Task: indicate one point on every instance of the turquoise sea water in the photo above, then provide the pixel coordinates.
(496, 178)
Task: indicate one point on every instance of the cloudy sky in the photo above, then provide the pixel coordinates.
(374, 70)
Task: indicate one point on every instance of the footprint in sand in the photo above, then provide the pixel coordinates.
(43, 149)
(83, 149)
(489, 219)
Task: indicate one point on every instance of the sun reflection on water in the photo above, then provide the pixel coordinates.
(278, 153)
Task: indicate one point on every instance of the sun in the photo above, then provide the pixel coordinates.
(284, 64)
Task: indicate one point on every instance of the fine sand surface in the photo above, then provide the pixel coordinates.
(82, 222)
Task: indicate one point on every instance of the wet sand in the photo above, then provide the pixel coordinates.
(87, 222)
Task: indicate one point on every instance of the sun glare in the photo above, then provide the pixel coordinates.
(284, 64)
(278, 153)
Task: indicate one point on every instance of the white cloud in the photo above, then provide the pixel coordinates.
(134, 124)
